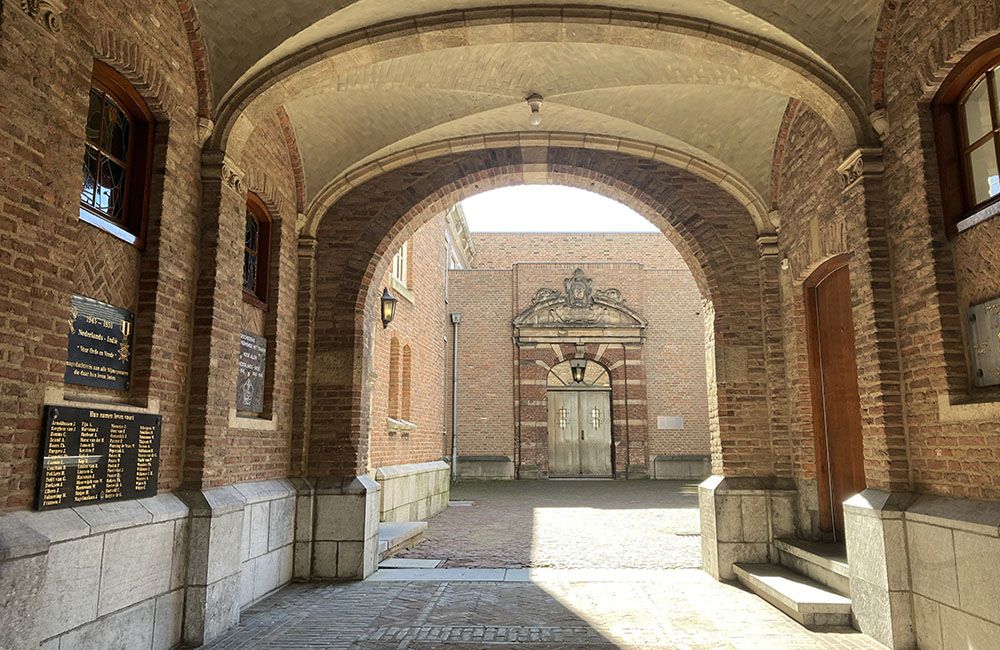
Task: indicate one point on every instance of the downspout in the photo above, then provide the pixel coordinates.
(456, 318)
(628, 441)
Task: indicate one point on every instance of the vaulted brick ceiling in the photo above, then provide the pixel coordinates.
(722, 109)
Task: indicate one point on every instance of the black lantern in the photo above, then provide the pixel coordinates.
(388, 307)
(579, 367)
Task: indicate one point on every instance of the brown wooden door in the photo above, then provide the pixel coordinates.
(836, 403)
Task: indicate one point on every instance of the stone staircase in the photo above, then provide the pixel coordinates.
(810, 584)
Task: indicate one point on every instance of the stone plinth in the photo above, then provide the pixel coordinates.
(336, 528)
(741, 518)
(413, 492)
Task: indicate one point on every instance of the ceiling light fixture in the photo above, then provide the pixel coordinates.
(535, 104)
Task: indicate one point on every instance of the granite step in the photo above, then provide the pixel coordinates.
(396, 536)
(824, 563)
(806, 601)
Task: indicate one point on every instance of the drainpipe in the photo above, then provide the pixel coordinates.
(456, 318)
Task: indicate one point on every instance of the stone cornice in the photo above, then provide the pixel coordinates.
(864, 162)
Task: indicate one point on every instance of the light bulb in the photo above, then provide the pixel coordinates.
(535, 104)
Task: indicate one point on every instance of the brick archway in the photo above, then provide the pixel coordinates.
(353, 241)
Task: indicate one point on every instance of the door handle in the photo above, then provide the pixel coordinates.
(581, 434)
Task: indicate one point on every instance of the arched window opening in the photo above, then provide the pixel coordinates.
(256, 251)
(117, 157)
(405, 394)
(967, 130)
(394, 363)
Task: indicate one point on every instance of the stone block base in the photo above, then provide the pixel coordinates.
(741, 518)
(336, 528)
(485, 467)
(682, 467)
(413, 492)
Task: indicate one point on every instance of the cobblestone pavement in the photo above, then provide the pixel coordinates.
(629, 536)
(560, 524)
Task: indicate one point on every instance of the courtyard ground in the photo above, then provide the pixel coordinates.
(558, 564)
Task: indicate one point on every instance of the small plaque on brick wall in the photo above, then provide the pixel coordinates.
(99, 350)
(250, 376)
(984, 341)
(93, 455)
(670, 423)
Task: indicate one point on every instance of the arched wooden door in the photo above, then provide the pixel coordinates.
(835, 396)
(579, 423)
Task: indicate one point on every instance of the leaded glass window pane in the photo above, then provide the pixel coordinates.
(983, 167)
(978, 121)
(105, 158)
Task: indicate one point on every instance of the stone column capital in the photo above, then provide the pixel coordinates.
(861, 163)
(47, 13)
(768, 245)
(217, 166)
(307, 247)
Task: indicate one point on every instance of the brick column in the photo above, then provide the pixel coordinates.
(879, 375)
(216, 322)
(769, 272)
(213, 574)
(305, 324)
(873, 527)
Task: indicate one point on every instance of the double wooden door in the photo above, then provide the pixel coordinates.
(580, 433)
(836, 402)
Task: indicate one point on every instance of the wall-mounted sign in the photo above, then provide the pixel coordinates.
(984, 342)
(91, 455)
(250, 375)
(670, 422)
(99, 350)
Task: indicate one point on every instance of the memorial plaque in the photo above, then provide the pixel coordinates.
(984, 342)
(90, 456)
(250, 376)
(100, 345)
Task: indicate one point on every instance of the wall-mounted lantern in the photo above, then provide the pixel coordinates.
(388, 307)
(579, 368)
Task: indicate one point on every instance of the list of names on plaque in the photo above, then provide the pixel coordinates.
(250, 373)
(94, 455)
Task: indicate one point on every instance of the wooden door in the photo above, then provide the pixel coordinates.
(564, 444)
(595, 433)
(836, 402)
(579, 433)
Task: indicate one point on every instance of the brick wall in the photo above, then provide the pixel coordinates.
(513, 266)
(420, 326)
(50, 254)
(950, 452)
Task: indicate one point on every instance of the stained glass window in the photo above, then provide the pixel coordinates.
(563, 419)
(106, 157)
(595, 418)
(250, 248)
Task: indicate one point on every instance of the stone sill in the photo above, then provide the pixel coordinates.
(251, 423)
(970, 411)
(401, 289)
(400, 426)
(59, 396)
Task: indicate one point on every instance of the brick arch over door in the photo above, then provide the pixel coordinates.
(354, 241)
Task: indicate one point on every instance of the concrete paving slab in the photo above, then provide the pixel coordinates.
(438, 575)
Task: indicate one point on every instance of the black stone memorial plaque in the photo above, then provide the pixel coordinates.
(91, 455)
(100, 345)
(250, 376)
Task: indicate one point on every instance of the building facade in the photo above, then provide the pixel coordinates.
(626, 305)
(200, 202)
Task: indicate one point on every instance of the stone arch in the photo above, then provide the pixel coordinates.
(818, 84)
(355, 238)
(199, 56)
(727, 179)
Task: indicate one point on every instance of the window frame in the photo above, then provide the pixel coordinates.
(139, 158)
(403, 265)
(256, 208)
(961, 211)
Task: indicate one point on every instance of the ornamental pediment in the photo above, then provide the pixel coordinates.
(579, 305)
